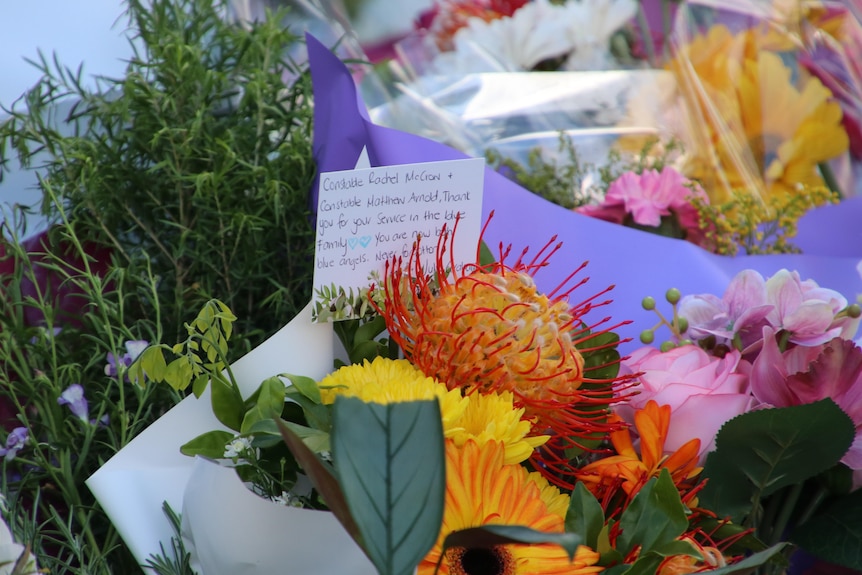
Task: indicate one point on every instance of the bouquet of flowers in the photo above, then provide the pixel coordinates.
(653, 115)
(487, 393)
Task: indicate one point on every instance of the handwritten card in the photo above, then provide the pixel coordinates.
(368, 216)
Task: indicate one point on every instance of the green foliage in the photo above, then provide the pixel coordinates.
(585, 516)
(654, 518)
(188, 180)
(759, 452)
(42, 354)
(835, 534)
(565, 183)
(200, 171)
(390, 463)
(178, 562)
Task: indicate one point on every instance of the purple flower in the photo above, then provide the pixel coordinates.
(15, 442)
(134, 348)
(806, 310)
(739, 316)
(73, 396)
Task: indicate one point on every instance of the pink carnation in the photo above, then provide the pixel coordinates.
(644, 199)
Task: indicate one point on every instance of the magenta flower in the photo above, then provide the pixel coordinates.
(703, 391)
(73, 396)
(15, 442)
(644, 199)
(807, 311)
(735, 320)
(803, 375)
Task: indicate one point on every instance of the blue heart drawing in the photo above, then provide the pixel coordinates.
(352, 242)
(364, 241)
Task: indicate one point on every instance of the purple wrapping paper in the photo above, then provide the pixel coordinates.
(636, 263)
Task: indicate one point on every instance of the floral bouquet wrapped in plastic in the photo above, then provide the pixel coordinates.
(729, 120)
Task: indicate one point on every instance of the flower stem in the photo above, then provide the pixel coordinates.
(829, 178)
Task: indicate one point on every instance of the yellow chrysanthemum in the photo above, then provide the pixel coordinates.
(391, 381)
(493, 417)
(753, 128)
(482, 490)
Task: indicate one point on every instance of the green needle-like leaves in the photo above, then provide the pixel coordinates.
(390, 462)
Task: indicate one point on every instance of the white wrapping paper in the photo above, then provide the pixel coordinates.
(133, 484)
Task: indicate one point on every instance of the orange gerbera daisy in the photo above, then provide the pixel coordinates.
(482, 490)
(629, 471)
(487, 328)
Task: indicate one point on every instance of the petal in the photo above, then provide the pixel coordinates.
(746, 290)
(785, 293)
(769, 374)
(701, 416)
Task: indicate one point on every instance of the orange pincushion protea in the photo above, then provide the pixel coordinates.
(487, 328)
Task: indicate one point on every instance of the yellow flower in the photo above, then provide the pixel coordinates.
(751, 127)
(493, 417)
(483, 418)
(482, 490)
(391, 381)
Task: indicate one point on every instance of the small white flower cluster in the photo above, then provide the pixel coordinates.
(288, 500)
(237, 448)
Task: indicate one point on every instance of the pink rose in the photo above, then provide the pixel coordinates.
(702, 391)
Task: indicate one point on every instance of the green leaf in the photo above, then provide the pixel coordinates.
(486, 257)
(369, 330)
(750, 563)
(585, 516)
(759, 452)
(210, 444)
(227, 406)
(178, 373)
(491, 535)
(316, 440)
(150, 364)
(390, 462)
(835, 534)
(655, 516)
(317, 415)
(269, 404)
(305, 385)
(324, 481)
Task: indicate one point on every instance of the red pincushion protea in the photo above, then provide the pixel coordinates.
(484, 328)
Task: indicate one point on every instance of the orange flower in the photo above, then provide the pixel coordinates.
(629, 471)
(487, 328)
(482, 490)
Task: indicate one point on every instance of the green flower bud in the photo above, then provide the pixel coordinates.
(672, 296)
(682, 324)
(648, 303)
(647, 336)
(854, 310)
(667, 346)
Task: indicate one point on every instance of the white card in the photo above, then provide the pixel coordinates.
(368, 216)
